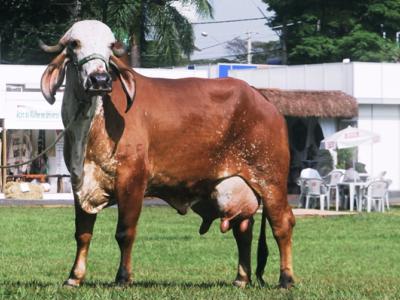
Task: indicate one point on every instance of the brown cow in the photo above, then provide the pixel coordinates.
(216, 146)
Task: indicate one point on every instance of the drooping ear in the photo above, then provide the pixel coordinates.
(53, 77)
(127, 78)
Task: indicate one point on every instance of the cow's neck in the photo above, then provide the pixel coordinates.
(78, 111)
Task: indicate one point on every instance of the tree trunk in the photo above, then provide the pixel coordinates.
(135, 58)
(138, 35)
(76, 13)
(284, 44)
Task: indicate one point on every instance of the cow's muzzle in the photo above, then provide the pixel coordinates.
(98, 83)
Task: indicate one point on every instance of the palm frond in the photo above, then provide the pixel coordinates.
(203, 7)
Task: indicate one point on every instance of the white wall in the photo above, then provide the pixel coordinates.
(370, 83)
(384, 155)
(172, 73)
(335, 76)
(377, 83)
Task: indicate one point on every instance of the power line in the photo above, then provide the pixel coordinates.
(228, 21)
(219, 44)
(216, 56)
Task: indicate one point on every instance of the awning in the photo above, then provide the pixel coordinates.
(300, 103)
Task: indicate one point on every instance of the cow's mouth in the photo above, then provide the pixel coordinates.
(98, 91)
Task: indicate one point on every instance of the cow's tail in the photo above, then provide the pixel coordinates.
(262, 249)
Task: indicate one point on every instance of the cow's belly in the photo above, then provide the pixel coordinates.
(230, 200)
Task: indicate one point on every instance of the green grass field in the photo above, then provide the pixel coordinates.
(348, 257)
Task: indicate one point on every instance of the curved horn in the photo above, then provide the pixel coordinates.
(51, 49)
(118, 49)
(60, 45)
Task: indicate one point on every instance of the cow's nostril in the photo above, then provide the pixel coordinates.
(93, 79)
(89, 82)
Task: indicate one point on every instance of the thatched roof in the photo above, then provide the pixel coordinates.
(328, 104)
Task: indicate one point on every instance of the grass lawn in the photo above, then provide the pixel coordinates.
(347, 257)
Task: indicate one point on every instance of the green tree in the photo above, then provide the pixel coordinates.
(155, 31)
(315, 31)
(23, 22)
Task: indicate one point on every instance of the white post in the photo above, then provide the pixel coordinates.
(249, 56)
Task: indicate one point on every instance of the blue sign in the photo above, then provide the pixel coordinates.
(224, 68)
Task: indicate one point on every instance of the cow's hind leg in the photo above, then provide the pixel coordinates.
(243, 236)
(282, 221)
(84, 224)
(262, 251)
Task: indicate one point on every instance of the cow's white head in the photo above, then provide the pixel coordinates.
(90, 47)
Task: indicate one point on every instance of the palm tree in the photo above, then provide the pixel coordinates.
(155, 30)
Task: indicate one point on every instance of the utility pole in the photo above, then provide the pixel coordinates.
(249, 55)
(282, 33)
(3, 157)
(283, 43)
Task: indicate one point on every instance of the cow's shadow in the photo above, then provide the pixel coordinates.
(160, 283)
(143, 284)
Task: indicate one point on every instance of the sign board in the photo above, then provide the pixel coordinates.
(223, 69)
(27, 114)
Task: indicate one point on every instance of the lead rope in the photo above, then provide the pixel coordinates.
(37, 156)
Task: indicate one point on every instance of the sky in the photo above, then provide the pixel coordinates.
(223, 32)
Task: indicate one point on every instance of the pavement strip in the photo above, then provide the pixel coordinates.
(298, 212)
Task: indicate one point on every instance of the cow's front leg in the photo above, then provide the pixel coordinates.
(243, 236)
(84, 224)
(129, 207)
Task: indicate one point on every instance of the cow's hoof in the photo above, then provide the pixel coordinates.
(261, 281)
(123, 282)
(72, 283)
(286, 281)
(240, 283)
(123, 278)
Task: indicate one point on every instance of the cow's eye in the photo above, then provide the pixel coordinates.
(73, 44)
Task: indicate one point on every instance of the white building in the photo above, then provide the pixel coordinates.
(376, 89)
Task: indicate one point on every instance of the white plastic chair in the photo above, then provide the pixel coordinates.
(307, 173)
(315, 189)
(332, 180)
(389, 182)
(376, 195)
(379, 176)
(301, 184)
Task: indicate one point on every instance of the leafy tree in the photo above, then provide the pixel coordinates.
(154, 30)
(315, 31)
(23, 22)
